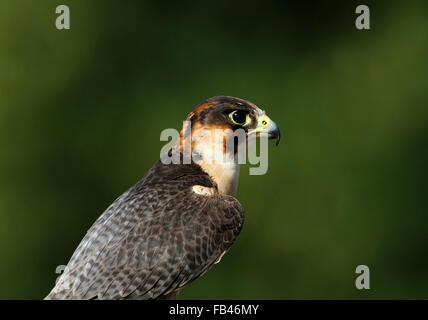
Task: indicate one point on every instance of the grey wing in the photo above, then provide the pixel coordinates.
(149, 244)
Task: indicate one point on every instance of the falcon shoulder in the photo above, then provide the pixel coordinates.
(154, 239)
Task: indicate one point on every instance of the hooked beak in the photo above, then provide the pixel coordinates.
(273, 132)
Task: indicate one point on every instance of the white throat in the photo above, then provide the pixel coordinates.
(225, 174)
(224, 169)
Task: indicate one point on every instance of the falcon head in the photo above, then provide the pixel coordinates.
(215, 131)
(223, 112)
(227, 115)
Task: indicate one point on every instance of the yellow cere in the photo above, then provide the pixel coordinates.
(263, 122)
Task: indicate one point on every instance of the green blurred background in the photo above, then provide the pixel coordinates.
(81, 112)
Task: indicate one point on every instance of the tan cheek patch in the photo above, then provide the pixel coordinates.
(210, 135)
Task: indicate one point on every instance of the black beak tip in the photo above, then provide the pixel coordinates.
(278, 137)
(275, 135)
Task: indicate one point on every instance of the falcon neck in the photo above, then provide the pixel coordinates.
(225, 174)
(204, 151)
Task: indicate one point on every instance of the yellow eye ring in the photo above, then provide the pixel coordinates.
(240, 118)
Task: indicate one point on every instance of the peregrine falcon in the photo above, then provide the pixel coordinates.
(172, 225)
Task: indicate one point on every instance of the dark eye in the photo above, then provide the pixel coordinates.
(238, 117)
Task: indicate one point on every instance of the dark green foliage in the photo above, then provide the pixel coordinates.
(81, 112)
